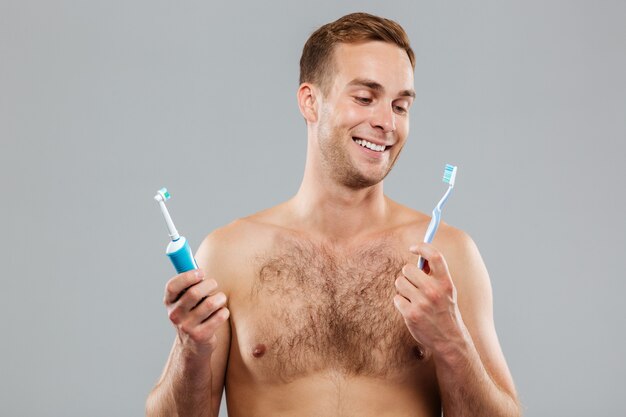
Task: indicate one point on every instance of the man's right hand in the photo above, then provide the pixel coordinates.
(196, 309)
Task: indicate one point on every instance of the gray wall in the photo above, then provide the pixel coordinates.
(102, 103)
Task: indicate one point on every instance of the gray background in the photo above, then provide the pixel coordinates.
(102, 103)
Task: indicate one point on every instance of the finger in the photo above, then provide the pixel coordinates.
(205, 331)
(406, 289)
(436, 261)
(208, 306)
(216, 319)
(402, 304)
(415, 275)
(196, 293)
(176, 286)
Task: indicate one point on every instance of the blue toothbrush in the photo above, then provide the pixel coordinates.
(178, 249)
(449, 174)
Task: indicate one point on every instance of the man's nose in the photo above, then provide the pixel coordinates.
(384, 118)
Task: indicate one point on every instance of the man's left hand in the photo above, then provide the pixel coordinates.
(427, 300)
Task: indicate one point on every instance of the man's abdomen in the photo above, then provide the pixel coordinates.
(333, 395)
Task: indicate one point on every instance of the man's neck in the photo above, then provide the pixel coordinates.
(337, 212)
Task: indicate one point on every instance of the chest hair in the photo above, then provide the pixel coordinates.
(323, 308)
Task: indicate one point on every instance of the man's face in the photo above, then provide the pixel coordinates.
(366, 107)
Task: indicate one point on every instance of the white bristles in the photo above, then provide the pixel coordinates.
(162, 195)
(449, 174)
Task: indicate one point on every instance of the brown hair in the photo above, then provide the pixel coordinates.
(316, 62)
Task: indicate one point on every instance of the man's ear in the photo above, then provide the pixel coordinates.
(308, 102)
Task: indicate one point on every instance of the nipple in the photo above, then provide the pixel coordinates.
(418, 352)
(258, 351)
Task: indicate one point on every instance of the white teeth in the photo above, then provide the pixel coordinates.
(370, 145)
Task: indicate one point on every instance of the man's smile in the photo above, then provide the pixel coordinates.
(370, 148)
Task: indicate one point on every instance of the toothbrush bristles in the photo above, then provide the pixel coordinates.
(164, 193)
(449, 174)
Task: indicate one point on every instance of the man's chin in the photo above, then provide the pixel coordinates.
(360, 181)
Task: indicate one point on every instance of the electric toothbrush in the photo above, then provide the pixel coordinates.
(178, 249)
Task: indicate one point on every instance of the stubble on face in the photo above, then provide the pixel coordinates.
(334, 147)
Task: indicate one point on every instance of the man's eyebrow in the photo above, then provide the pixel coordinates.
(407, 93)
(373, 85)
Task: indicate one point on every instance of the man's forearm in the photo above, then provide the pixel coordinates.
(466, 387)
(185, 389)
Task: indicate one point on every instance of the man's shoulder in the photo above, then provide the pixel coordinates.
(243, 234)
(456, 245)
(414, 223)
(229, 252)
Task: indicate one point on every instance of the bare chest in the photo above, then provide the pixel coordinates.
(311, 309)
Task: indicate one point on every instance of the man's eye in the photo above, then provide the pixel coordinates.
(363, 100)
(400, 109)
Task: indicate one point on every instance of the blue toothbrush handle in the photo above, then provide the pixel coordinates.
(180, 254)
(448, 177)
(430, 233)
(420, 263)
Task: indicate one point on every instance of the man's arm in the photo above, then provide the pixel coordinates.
(193, 379)
(473, 377)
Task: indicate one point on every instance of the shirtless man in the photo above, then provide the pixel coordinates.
(327, 313)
